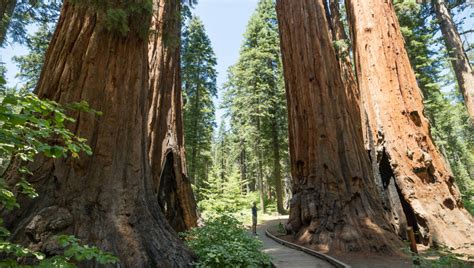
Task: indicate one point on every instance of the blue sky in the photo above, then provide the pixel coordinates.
(225, 22)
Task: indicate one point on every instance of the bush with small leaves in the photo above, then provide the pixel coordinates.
(223, 242)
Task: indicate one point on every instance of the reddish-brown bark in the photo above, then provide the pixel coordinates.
(399, 132)
(165, 124)
(390, 200)
(335, 204)
(107, 199)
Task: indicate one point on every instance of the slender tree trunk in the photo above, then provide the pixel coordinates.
(165, 123)
(260, 186)
(260, 168)
(335, 203)
(243, 168)
(277, 166)
(223, 166)
(106, 199)
(195, 147)
(459, 60)
(399, 130)
(6, 12)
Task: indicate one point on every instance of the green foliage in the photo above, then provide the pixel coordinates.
(123, 17)
(281, 229)
(74, 252)
(30, 126)
(23, 13)
(223, 192)
(469, 201)
(342, 47)
(255, 102)
(199, 88)
(223, 242)
(117, 21)
(3, 70)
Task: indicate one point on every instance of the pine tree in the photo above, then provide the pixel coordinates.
(199, 89)
(255, 101)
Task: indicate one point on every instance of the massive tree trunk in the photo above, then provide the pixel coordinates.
(399, 131)
(165, 123)
(335, 204)
(391, 201)
(6, 12)
(106, 199)
(459, 60)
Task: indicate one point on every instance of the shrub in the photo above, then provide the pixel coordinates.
(223, 242)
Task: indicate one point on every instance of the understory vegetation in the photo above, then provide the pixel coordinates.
(224, 242)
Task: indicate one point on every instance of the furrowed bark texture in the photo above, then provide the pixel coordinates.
(399, 131)
(460, 62)
(165, 124)
(391, 201)
(335, 204)
(107, 199)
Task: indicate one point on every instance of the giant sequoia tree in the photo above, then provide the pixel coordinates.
(165, 122)
(450, 127)
(399, 132)
(335, 204)
(109, 199)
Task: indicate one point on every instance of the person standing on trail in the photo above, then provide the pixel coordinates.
(254, 218)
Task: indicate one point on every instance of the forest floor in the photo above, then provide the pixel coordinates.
(354, 260)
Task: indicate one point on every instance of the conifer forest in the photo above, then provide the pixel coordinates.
(236, 133)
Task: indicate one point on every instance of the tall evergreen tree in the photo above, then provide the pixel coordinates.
(256, 103)
(199, 89)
